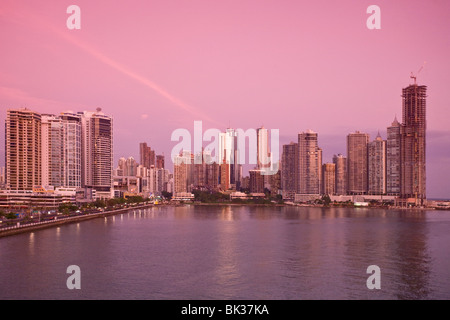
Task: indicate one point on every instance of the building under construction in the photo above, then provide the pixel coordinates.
(413, 144)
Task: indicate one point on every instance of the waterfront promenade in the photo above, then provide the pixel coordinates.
(59, 220)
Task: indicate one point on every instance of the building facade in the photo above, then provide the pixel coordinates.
(256, 181)
(23, 150)
(357, 168)
(340, 162)
(229, 159)
(376, 152)
(61, 150)
(97, 152)
(147, 155)
(309, 163)
(329, 178)
(393, 163)
(289, 170)
(413, 143)
(262, 148)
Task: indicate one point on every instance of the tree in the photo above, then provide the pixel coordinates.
(135, 199)
(11, 215)
(67, 207)
(166, 195)
(326, 200)
(100, 203)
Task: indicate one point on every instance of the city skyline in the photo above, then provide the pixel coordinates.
(294, 67)
(87, 138)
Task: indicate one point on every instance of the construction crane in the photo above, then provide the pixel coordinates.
(412, 76)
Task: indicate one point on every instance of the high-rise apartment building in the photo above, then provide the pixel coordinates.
(160, 161)
(262, 148)
(147, 155)
(61, 150)
(162, 176)
(376, 153)
(274, 182)
(212, 171)
(72, 149)
(357, 169)
(65, 150)
(225, 176)
(256, 181)
(129, 166)
(413, 143)
(228, 158)
(97, 152)
(289, 170)
(23, 149)
(393, 163)
(182, 172)
(329, 178)
(52, 150)
(309, 163)
(340, 162)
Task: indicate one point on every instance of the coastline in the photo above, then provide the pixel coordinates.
(9, 231)
(305, 205)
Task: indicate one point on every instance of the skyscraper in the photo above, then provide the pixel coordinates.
(147, 155)
(309, 163)
(329, 178)
(357, 178)
(228, 158)
(23, 149)
(224, 175)
(97, 152)
(182, 172)
(61, 150)
(72, 149)
(131, 166)
(52, 150)
(413, 143)
(341, 174)
(289, 170)
(376, 152)
(159, 161)
(66, 150)
(256, 182)
(393, 167)
(262, 149)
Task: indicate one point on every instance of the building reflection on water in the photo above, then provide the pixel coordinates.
(238, 252)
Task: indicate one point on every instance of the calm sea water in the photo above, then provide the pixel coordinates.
(234, 252)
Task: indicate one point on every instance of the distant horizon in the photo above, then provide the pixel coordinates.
(154, 67)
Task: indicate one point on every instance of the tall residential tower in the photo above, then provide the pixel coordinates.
(357, 169)
(309, 163)
(97, 152)
(393, 168)
(23, 149)
(413, 143)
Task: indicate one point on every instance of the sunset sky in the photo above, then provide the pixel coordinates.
(156, 66)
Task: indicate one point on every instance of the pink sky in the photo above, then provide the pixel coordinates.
(156, 66)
